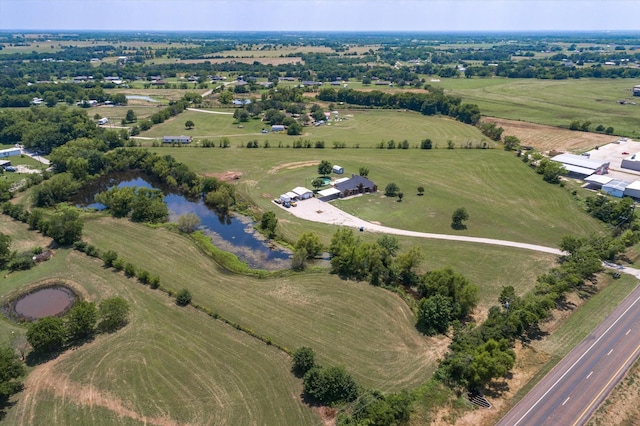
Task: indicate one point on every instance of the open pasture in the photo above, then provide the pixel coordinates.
(552, 102)
(369, 330)
(364, 128)
(505, 198)
(169, 365)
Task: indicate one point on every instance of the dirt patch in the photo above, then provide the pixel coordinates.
(291, 166)
(228, 176)
(546, 138)
(327, 414)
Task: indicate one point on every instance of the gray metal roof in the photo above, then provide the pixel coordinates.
(579, 160)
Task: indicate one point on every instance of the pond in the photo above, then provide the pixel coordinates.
(232, 233)
(44, 302)
(142, 98)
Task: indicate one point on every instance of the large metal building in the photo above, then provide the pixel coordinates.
(633, 190)
(580, 165)
(615, 188)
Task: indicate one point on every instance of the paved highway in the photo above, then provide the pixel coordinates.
(570, 393)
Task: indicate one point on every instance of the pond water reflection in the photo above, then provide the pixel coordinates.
(231, 233)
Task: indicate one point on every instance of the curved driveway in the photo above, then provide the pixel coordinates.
(320, 211)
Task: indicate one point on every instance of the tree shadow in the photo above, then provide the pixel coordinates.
(563, 304)
(495, 389)
(5, 405)
(36, 358)
(458, 226)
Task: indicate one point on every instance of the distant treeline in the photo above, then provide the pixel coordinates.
(425, 103)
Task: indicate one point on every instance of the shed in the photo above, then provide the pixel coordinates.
(103, 120)
(285, 198)
(337, 169)
(615, 188)
(329, 194)
(5, 163)
(292, 195)
(176, 139)
(302, 193)
(633, 190)
(10, 152)
(277, 128)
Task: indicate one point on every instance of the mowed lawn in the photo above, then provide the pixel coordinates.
(369, 330)
(552, 102)
(364, 128)
(505, 198)
(169, 365)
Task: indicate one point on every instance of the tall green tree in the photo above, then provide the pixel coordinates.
(459, 215)
(47, 335)
(324, 168)
(113, 314)
(311, 243)
(303, 361)
(81, 321)
(5, 249)
(65, 226)
(269, 223)
(11, 371)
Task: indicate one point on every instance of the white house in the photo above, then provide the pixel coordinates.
(176, 139)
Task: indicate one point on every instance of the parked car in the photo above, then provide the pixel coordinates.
(11, 169)
(277, 200)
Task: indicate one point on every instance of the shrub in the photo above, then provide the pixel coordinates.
(183, 298)
(303, 361)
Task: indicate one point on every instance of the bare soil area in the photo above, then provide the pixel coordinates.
(227, 176)
(546, 138)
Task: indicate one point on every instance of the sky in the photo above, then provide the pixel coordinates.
(321, 15)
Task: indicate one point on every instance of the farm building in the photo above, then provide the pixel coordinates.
(632, 162)
(633, 190)
(597, 181)
(5, 163)
(10, 152)
(636, 90)
(580, 165)
(615, 188)
(337, 169)
(176, 139)
(328, 194)
(103, 120)
(277, 128)
(302, 193)
(356, 185)
(285, 198)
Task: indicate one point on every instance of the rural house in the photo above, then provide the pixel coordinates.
(10, 152)
(176, 139)
(356, 185)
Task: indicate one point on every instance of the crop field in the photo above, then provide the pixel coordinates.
(505, 198)
(169, 365)
(357, 128)
(552, 102)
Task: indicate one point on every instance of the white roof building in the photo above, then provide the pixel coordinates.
(582, 165)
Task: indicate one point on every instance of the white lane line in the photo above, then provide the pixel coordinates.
(575, 363)
(627, 333)
(609, 353)
(566, 400)
(589, 374)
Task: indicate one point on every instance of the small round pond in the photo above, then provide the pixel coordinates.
(44, 302)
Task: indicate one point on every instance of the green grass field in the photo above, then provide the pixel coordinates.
(369, 330)
(358, 127)
(552, 102)
(169, 365)
(505, 199)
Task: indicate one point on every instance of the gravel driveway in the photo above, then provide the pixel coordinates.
(315, 210)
